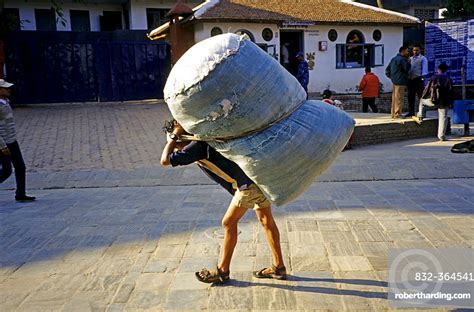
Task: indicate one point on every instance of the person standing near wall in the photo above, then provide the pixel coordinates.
(10, 152)
(440, 91)
(416, 75)
(397, 70)
(369, 85)
(303, 72)
(285, 56)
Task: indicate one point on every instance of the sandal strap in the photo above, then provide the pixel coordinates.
(279, 270)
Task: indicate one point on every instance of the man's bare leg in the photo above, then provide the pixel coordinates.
(229, 223)
(265, 217)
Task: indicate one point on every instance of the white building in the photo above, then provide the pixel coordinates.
(339, 38)
(91, 15)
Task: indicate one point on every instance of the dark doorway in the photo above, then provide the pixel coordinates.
(292, 40)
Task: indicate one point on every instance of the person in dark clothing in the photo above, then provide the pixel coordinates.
(10, 152)
(440, 91)
(418, 71)
(246, 194)
(397, 70)
(303, 73)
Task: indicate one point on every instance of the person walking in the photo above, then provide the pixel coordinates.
(416, 75)
(369, 85)
(440, 91)
(303, 73)
(246, 194)
(10, 152)
(397, 70)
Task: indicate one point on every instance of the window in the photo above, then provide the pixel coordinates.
(354, 54)
(367, 55)
(156, 17)
(80, 20)
(111, 20)
(377, 35)
(425, 14)
(12, 18)
(267, 34)
(45, 19)
(216, 31)
(332, 35)
(245, 33)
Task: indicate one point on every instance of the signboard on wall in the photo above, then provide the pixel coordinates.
(451, 42)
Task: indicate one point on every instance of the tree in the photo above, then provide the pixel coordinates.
(459, 8)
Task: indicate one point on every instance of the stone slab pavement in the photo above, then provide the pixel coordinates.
(121, 234)
(136, 248)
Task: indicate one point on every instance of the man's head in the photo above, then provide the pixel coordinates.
(403, 51)
(5, 88)
(442, 68)
(172, 126)
(416, 50)
(327, 94)
(300, 56)
(368, 69)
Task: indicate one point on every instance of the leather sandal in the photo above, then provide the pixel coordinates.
(278, 273)
(212, 276)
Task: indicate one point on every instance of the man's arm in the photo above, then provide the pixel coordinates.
(424, 66)
(169, 148)
(362, 84)
(170, 145)
(3, 145)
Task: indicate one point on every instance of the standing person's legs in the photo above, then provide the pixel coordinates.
(373, 107)
(20, 168)
(394, 98)
(229, 223)
(412, 91)
(397, 104)
(421, 110)
(419, 88)
(442, 123)
(365, 105)
(265, 217)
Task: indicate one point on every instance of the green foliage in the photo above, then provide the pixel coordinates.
(459, 8)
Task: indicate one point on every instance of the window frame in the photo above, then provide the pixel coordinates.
(341, 55)
(40, 15)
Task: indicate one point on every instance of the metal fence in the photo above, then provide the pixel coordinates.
(51, 67)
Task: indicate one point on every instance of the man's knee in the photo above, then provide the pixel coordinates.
(229, 222)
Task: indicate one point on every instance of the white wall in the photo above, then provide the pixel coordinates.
(203, 31)
(344, 80)
(138, 10)
(324, 72)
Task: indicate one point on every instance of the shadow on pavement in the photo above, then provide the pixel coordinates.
(316, 289)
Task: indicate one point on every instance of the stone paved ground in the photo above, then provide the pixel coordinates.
(121, 234)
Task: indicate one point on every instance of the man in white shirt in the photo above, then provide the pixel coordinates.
(10, 152)
(416, 76)
(285, 56)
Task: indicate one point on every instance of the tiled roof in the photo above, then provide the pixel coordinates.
(318, 11)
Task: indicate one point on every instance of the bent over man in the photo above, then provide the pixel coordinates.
(246, 194)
